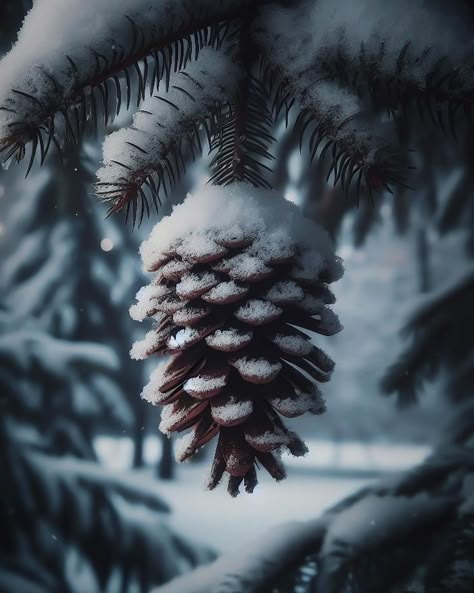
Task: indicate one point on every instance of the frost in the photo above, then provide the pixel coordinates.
(330, 321)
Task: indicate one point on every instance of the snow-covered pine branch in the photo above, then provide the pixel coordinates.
(83, 60)
(380, 539)
(398, 54)
(85, 507)
(442, 332)
(335, 119)
(150, 152)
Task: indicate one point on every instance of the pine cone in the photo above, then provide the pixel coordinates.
(238, 271)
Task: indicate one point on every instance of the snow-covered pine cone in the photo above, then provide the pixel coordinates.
(241, 277)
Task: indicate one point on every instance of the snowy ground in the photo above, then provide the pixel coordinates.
(327, 474)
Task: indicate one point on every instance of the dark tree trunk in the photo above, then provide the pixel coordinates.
(423, 261)
(166, 463)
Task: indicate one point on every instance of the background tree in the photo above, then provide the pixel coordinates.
(356, 78)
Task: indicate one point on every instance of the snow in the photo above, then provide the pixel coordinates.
(257, 312)
(200, 246)
(160, 126)
(184, 337)
(229, 339)
(175, 268)
(192, 285)
(158, 376)
(240, 208)
(311, 305)
(293, 344)
(268, 440)
(182, 445)
(224, 292)
(302, 403)
(274, 247)
(202, 384)
(285, 291)
(245, 266)
(171, 414)
(145, 297)
(296, 39)
(69, 28)
(190, 315)
(330, 321)
(232, 410)
(257, 370)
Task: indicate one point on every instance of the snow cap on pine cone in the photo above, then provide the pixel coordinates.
(241, 279)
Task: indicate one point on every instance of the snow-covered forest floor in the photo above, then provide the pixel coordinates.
(327, 474)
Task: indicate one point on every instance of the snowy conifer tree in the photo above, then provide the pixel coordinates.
(241, 276)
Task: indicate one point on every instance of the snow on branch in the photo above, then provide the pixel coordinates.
(399, 53)
(337, 128)
(334, 119)
(256, 566)
(324, 54)
(84, 58)
(442, 332)
(149, 153)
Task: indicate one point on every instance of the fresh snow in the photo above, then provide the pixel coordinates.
(145, 300)
(182, 338)
(245, 211)
(195, 282)
(232, 411)
(224, 291)
(285, 291)
(161, 125)
(293, 344)
(259, 369)
(202, 384)
(258, 312)
(57, 29)
(229, 339)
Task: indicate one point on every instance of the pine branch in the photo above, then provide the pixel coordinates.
(242, 140)
(50, 90)
(114, 521)
(412, 80)
(336, 126)
(150, 153)
(442, 331)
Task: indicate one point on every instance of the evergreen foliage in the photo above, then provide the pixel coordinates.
(354, 81)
